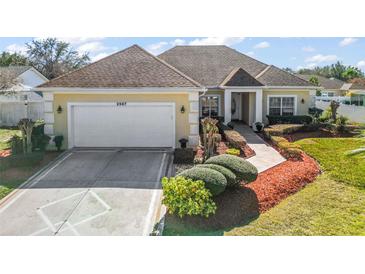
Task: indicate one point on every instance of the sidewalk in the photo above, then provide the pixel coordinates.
(266, 156)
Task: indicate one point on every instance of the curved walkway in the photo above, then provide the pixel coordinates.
(266, 156)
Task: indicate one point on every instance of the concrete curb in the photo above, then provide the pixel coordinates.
(35, 175)
(160, 224)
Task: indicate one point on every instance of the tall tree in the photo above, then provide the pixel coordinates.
(8, 80)
(12, 59)
(337, 70)
(53, 57)
(352, 73)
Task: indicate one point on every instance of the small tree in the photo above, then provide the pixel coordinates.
(211, 136)
(26, 127)
(334, 106)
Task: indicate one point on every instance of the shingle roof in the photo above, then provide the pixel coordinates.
(17, 70)
(357, 85)
(210, 65)
(238, 78)
(131, 67)
(327, 83)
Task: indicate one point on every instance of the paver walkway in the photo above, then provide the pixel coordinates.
(266, 156)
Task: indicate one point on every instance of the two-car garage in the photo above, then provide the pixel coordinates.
(121, 124)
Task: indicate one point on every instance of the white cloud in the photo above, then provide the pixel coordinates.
(250, 53)
(347, 41)
(16, 48)
(361, 64)
(157, 48)
(99, 56)
(308, 49)
(91, 47)
(178, 42)
(262, 45)
(319, 58)
(228, 41)
(80, 40)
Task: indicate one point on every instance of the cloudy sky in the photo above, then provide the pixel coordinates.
(295, 53)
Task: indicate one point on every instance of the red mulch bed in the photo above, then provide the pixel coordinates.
(277, 183)
(240, 206)
(5, 153)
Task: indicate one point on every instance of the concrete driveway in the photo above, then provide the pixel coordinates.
(90, 192)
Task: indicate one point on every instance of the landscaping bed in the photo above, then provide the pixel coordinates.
(242, 205)
(334, 204)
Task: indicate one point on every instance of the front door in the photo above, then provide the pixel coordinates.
(236, 106)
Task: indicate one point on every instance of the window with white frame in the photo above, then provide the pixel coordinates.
(282, 105)
(209, 106)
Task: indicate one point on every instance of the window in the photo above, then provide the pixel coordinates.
(284, 106)
(209, 106)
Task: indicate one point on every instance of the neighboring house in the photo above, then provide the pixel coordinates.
(23, 102)
(330, 87)
(134, 99)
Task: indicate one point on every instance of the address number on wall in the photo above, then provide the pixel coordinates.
(121, 104)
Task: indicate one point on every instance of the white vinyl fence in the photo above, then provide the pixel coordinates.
(353, 112)
(11, 112)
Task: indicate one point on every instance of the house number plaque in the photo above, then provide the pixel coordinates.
(121, 104)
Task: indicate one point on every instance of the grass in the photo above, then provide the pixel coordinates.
(334, 204)
(5, 135)
(331, 153)
(325, 207)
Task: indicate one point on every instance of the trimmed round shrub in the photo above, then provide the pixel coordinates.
(244, 170)
(230, 176)
(214, 180)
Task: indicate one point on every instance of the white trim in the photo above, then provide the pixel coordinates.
(211, 95)
(119, 90)
(193, 118)
(268, 103)
(70, 105)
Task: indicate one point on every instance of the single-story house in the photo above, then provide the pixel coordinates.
(135, 99)
(20, 98)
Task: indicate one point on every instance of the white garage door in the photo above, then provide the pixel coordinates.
(122, 125)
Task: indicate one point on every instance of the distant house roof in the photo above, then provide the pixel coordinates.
(357, 85)
(131, 67)
(211, 65)
(17, 70)
(327, 83)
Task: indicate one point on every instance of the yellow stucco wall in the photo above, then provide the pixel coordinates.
(302, 108)
(182, 119)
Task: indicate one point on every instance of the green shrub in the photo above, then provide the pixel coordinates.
(281, 129)
(341, 122)
(233, 151)
(234, 139)
(291, 150)
(16, 144)
(229, 175)
(243, 169)
(214, 180)
(293, 119)
(183, 196)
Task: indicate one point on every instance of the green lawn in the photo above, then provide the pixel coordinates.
(5, 135)
(332, 205)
